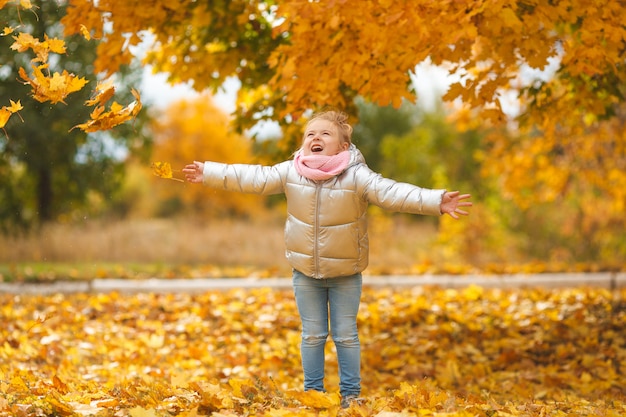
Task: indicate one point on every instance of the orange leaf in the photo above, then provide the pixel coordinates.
(455, 90)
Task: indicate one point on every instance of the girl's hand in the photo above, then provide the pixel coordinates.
(451, 203)
(194, 172)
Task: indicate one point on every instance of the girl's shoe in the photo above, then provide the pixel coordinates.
(349, 399)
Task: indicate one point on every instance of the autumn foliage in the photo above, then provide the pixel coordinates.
(197, 130)
(430, 351)
(559, 65)
(426, 352)
(53, 86)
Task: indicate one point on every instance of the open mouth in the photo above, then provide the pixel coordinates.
(317, 148)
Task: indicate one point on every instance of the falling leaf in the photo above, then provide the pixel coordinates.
(15, 106)
(164, 170)
(104, 92)
(54, 88)
(6, 112)
(55, 45)
(25, 41)
(117, 114)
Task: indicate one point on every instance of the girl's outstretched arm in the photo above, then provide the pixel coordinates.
(452, 202)
(194, 172)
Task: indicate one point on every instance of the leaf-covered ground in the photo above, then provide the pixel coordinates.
(426, 351)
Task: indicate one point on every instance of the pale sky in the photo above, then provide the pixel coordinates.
(156, 90)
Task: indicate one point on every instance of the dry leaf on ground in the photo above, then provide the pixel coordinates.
(425, 351)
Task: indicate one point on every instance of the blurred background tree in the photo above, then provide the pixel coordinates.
(197, 130)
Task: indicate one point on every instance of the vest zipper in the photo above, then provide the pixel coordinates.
(316, 258)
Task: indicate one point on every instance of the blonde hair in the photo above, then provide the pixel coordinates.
(339, 119)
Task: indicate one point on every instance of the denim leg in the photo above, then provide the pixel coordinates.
(344, 300)
(312, 302)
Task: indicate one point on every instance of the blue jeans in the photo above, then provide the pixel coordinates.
(315, 298)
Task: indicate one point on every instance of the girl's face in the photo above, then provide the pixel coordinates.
(322, 138)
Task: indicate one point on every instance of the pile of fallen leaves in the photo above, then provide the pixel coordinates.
(426, 352)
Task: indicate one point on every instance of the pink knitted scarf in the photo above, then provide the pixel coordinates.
(321, 167)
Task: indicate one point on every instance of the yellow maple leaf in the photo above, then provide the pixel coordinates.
(243, 388)
(97, 112)
(315, 399)
(15, 107)
(164, 170)
(104, 92)
(116, 107)
(75, 83)
(117, 114)
(5, 114)
(53, 88)
(57, 82)
(24, 42)
(55, 45)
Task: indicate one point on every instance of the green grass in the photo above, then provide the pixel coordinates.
(78, 271)
(53, 271)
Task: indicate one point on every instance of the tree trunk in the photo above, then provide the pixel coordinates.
(44, 194)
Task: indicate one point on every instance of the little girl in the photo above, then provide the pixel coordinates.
(328, 188)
